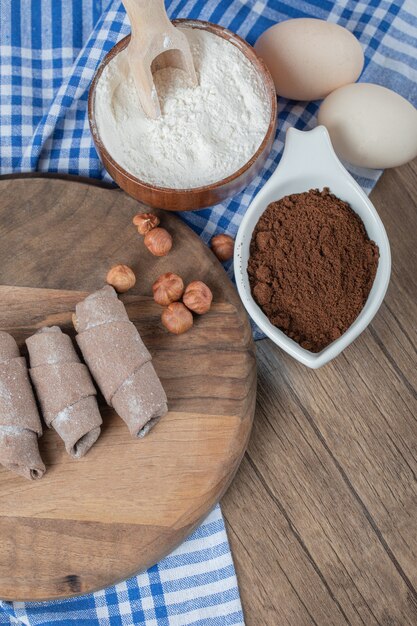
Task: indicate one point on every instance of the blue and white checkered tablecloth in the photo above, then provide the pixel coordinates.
(49, 50)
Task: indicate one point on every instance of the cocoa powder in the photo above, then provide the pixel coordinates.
(311, 266)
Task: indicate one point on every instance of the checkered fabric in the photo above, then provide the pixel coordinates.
(49, 50)
(193, 586)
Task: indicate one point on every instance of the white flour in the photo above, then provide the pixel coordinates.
(203, 135)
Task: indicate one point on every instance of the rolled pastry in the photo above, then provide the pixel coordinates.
(119, 361)
(65, 390)
(20, 425)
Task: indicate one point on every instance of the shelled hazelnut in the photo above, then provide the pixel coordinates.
(223, 247)
(74, 321)
(177, 318)
(145, 222)
(198, 297)
(167, 288)
(121, 277)
(158, 241)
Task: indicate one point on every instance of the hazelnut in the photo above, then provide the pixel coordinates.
(197, 297)
(177, 318)
(158, 241)
(223, 246)
(121, 277)
(167, 288)
(145, 222)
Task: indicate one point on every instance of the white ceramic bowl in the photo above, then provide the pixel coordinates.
(309, 162)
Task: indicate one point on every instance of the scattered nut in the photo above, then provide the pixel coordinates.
(145, 222)
(121, 277)
(74, 321)
(158, 241)
(177, 318)
(167, 288)
(198, 297)
(223, 246)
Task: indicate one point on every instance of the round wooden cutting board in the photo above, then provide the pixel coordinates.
(90, 523)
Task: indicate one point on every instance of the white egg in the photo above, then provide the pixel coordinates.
(370, 126)
(309, 58)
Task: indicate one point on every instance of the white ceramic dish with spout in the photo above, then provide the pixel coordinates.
(308, 162)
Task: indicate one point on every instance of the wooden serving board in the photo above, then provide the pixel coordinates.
(92, 522)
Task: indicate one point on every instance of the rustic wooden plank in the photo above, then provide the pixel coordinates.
(279, 581)
(335, 451)
(301, 477)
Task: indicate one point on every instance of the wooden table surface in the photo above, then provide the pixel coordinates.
(322, 516)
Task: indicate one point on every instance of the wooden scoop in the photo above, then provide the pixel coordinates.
(155, 43)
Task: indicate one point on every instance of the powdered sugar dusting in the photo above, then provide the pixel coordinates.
(5, 394)
(11, 430)
(63, 416)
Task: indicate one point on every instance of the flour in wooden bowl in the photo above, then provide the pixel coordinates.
(204, 134)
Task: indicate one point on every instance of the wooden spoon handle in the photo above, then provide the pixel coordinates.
(155, 43)
(147, 16)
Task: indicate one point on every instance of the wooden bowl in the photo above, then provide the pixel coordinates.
(197, 197)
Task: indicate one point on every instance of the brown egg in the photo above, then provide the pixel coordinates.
(309, 58)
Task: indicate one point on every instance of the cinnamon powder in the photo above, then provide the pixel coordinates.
(311, 266)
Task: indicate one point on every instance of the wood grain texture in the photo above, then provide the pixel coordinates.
(127, 503)
(322, 515)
